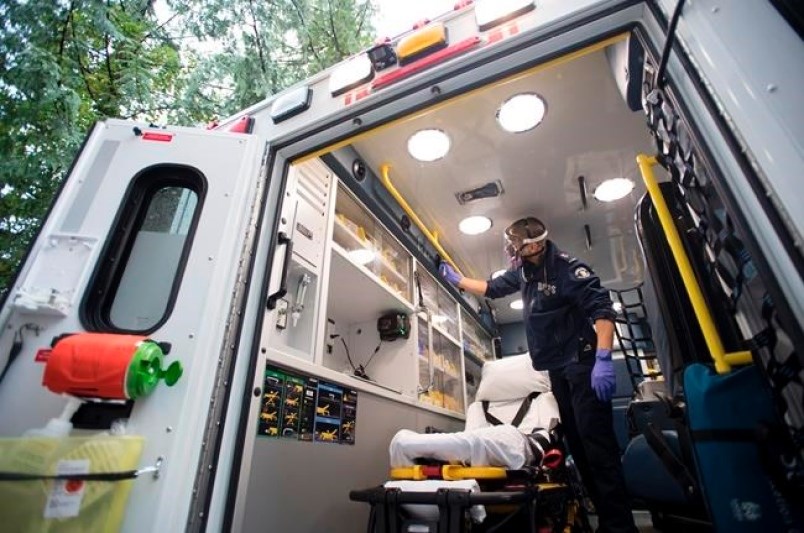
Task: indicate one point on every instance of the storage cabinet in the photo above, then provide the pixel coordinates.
(440, 366)
(369, 276)
(477, 343)
(442, 308)
(366, 243)
(344, 272)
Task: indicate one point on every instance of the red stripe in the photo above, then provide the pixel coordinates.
(425, 62)
(151, 136)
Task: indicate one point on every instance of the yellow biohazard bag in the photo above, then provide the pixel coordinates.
(65, 506)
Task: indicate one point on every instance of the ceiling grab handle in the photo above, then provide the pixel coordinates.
(386, 181)
(723, 360)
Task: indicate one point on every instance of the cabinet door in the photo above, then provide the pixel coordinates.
(368, 244)
(293, 300)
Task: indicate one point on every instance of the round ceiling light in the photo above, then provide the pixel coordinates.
(361, 256)
(499, 273)
(428, 145)
(614, 189)
(521, 112)
(474, 225)
(517, 305)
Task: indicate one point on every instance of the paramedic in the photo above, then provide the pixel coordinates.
(562, 300)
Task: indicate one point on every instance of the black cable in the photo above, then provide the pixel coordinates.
(16, 346)
(348, 355)
(668, 44)
(99, 476)
(377, 349)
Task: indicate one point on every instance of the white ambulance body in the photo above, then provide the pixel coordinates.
(238, 248)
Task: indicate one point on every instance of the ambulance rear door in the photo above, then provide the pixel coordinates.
(150, 235)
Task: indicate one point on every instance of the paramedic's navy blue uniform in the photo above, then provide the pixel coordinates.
(562, 298)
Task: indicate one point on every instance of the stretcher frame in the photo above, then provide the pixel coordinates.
(529, 495)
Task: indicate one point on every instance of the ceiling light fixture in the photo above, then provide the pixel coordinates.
(517, 305)
(521, 112)
(474, 225)
(614, 189)
(428, 145)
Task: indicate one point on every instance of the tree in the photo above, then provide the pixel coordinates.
(66, 64)
(255, 49)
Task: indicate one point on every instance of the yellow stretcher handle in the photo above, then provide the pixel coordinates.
(723, 361)
(449, 472)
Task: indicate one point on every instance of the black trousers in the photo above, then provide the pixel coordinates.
(588, 427)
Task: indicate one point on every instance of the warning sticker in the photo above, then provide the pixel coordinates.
(64, 501)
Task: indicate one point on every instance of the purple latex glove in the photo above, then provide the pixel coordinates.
(449, 273)
(603, 378)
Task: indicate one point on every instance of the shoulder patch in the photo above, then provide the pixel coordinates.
(581, 272)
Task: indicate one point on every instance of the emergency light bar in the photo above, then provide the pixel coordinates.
(491, 13)
(425, 62)
(421, 43)
(353, 73)
(291, 104)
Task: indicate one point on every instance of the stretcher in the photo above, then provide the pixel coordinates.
(507, 471)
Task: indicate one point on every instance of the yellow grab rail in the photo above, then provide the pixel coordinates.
(431, 236)
(723, 360)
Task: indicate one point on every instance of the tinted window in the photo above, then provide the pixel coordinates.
(139, 274)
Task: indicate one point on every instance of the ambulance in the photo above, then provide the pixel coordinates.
(222, 329)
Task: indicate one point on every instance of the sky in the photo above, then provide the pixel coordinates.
(397, 16)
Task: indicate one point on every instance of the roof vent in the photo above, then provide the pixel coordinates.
(489, 190)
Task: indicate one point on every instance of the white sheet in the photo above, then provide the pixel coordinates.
(502, 446)
(430, 512)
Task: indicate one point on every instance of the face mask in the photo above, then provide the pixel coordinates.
(514, 247)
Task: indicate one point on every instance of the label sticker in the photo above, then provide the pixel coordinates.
(64, 500)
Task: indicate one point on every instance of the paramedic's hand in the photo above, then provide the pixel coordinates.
(603, 380)
(449, 273)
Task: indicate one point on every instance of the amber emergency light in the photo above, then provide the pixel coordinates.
(425, 41)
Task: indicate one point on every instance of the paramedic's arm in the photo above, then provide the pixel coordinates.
(475, 286)
(585, 288)
(605, 333)
(501, 286)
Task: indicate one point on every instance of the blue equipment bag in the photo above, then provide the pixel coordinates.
(724, 415)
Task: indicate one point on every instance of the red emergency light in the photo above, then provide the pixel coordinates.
(154, 136)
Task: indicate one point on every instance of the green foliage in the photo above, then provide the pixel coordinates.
(254, 49)
(66, 64)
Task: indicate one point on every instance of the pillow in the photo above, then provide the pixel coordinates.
(510, 378)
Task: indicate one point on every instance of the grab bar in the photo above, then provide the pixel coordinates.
(386, 181)
(723, 360)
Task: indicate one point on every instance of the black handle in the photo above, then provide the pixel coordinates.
(282, 238)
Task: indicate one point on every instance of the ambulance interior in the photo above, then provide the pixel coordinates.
(579, 146)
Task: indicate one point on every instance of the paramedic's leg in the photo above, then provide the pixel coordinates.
(561, 390)
(593, 421)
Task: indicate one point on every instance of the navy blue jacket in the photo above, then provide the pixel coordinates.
(562, 298)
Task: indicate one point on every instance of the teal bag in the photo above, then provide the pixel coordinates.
(724, 414)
